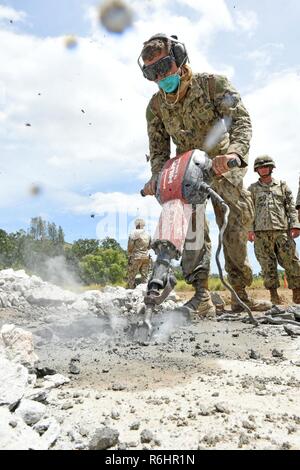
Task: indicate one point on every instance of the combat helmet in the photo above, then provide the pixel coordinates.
(139, 223)
(264, 160)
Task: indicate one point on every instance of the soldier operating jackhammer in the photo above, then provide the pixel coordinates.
(183, 183)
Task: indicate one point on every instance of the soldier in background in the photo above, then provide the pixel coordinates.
(274, 229)
(138, 257)
(298, 201)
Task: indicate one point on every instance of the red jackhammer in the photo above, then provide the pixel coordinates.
(183, 182)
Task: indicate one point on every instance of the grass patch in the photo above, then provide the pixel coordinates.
(215, 284)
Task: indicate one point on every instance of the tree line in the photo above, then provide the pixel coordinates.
(91, 261)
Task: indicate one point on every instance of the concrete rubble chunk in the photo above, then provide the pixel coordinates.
(104, 438)
(292, 330)
(50, 295)
(80, 305)
(20, 436)
(11, 275)
(18, 345)
(49, 429)
(31, 411)
(54, 381)
(146, 436)
(13, 383)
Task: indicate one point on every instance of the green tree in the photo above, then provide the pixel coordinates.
(37, 228)
(83, 247)
(52, 232)
(108, 265)
(60, 236)
(110, 243)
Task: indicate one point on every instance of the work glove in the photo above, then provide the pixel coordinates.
(251, 236)
(295, 232)
(220, 163)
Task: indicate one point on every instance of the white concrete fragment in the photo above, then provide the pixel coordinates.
(31, 411)
(18, 345)
(20, 437)
(50, 295)
(14, 378)
(11, 275)
(80, 305)
(49, 429)
(54, 381)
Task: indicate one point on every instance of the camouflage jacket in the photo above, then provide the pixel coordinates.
(138, 244)
(216, 122)
(298, 197)
(274, 207)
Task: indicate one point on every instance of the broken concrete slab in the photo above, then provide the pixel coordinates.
(18, 345)
(30, 411)
(13, 383)
(20, 436)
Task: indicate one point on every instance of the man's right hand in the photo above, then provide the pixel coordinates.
(251, 236)
(150, 187)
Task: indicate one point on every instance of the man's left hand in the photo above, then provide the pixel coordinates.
(295, 232)
(220, 163)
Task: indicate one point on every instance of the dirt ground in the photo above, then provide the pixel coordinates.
(199, 384)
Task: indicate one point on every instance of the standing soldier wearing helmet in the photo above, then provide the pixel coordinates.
(138, 258)
(274, 228)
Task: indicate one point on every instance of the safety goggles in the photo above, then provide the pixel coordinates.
(159, 68)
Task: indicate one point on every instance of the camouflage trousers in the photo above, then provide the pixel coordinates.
(135, 267)
(196, 263)
(272, 247)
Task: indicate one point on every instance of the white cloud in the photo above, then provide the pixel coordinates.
(8, 13)
(107, 140)
(263, 58)
(275, 113)
(112, 202)
(195, 22)
(113, 212)
(247, 21)
(46, 85)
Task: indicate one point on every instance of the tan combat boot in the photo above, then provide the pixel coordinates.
(253, 304)
(296, 296)
(275, 298)
(201, 303)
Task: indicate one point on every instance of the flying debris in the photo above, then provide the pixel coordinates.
(70, 42)
(115, 16)
(35, 190)
(28, 124)
(83, 111)
(93, 216)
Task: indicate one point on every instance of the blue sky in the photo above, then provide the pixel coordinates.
(93, 162)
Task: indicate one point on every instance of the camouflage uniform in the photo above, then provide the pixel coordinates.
(275, 215)
(138, 259)
(298, 198)
(210, 117)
